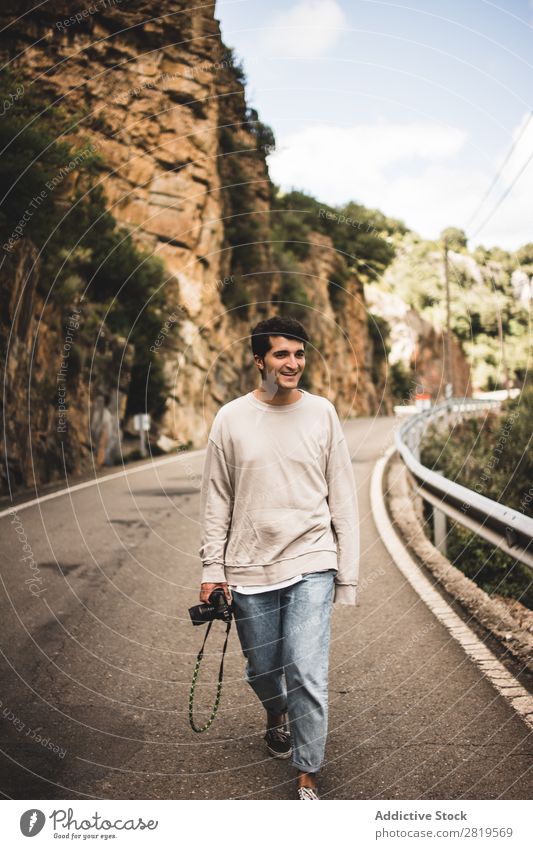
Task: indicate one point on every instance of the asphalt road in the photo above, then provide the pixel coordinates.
(96, 665)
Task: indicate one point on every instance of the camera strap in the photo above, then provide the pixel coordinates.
(219, 684)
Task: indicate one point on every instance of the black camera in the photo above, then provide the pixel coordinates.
(217, 608)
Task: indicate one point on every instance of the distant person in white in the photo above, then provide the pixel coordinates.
(280, 535)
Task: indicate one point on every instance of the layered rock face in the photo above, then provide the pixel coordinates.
(153, 93)
(183, 167)
(157, 93)
(339, 361)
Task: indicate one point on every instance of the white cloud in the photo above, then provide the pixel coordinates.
(408, 171)
(310, 28)
(338, 164)
(436, 197)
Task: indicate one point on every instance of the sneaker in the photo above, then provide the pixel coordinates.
(307, 793)
(278, 742)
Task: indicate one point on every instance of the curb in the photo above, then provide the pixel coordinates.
(491, 667)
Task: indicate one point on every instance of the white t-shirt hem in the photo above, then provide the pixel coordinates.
(256, 589)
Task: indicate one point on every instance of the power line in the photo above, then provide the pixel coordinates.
(499, 172)
(506, 192)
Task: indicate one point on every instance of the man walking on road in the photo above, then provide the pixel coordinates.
(280, 535)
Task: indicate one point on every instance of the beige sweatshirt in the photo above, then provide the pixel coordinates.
(278, 495)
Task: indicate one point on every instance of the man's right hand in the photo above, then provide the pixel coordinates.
(207, 589)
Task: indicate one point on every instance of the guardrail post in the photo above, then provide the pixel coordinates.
(439, 527)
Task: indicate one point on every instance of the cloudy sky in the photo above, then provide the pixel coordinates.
(408, 107)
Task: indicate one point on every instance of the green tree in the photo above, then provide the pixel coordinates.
(82, 248)
(455, 238)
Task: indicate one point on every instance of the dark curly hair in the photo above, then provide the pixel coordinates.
(278, 325)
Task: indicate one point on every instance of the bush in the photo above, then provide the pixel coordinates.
(236, 297)
(230, 58)
(489, 453)
(293, 298)
(402, 380)
(35, 153)
(378, 332)
(491, 569)
(363, 240)
(264, 135)
(242, 227)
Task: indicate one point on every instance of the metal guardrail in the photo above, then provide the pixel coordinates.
(502, 526)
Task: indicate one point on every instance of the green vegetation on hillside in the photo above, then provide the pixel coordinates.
(48, 179)
(481, 293)
(364, 237)
(243, 229)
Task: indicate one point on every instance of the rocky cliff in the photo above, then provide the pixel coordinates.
(51, 421)
(183, 165)
(419, 346)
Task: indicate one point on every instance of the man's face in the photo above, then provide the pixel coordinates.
(283, 364)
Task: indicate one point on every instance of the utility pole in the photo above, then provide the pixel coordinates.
(502, 348)
(448, 353)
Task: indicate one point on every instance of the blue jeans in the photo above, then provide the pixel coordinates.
(285, 634)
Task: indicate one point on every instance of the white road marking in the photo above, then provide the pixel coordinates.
(103, 479)
(491, 667)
